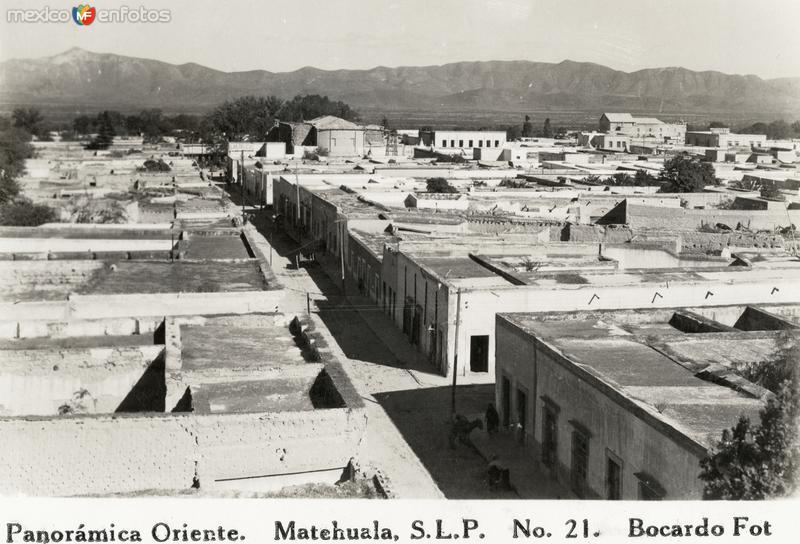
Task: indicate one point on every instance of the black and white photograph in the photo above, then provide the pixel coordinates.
(518, 252)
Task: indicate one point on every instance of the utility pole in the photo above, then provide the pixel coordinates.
(241, 182)
(341, 253)
(455, 356)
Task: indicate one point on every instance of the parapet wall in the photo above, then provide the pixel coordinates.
(123, 454)
(84, 307)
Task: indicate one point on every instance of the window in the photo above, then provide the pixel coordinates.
(461, 143)
(613, 477)
(579, 466)
(470, 143)
(452, 143)
(497, 143)
(549, 433)
(444, 143)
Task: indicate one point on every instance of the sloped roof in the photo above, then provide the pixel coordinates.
(619, 117)
(329, 122)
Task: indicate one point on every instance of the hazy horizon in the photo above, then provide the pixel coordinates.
(733, 37)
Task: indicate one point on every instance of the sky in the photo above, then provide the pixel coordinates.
(758, 37)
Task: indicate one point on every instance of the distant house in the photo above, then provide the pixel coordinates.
(437, 201)
(460, 140)
(334, 136)
(642, 128)
(723, 137)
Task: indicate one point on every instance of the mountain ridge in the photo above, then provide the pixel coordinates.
(79, 77)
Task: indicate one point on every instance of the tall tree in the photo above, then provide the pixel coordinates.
(527, 127)
(547, 130)
(105, 132)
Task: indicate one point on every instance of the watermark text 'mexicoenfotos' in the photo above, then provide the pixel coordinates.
(85, 15)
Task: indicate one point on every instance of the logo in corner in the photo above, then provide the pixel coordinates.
(84, 14)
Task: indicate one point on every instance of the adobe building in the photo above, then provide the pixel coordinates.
(435, 285)
(143, 358)
(724, 138)
(642, 129)
(331, 136)
(94, 271)
(448, 141)
(625, 404)
(147, 404)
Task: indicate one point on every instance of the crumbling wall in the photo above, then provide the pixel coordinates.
(93, 380)
(100, 454)
(717, 241)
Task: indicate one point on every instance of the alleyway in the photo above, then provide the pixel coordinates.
(408, 406)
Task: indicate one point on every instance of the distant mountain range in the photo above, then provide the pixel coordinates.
(82, 79)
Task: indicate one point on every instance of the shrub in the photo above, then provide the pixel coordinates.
(24, 213)
(153, 165)
(439, 185)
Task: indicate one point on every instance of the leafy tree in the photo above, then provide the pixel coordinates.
(684, 174)
(439, 185)
(718, 124)
(547, 130)
(304, 108)
(760, 461)
(645, 179)
(527, 127)
(513, 132)
(247, 116)
(151, 124)
(28, 119)
(82, 124)
(775, 130)
(24, 213)
(14, 149)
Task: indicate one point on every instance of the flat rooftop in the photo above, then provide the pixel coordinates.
(54, 280)
(684, 365)
(250, 363)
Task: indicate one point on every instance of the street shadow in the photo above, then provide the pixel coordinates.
(422, 416)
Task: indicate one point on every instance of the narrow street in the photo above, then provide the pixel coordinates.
(408, 406)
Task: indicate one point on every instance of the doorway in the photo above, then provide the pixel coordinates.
(522, 414)
(479, 353)
(505, 401)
